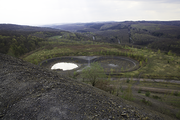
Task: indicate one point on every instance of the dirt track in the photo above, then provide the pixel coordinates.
(149, 80)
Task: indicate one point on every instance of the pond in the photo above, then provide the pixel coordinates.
(64, 66)
(113, 65)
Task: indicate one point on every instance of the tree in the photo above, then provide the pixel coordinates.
(128, 93)
(169, 53)
(93, 73)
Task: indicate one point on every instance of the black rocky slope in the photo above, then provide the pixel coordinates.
(31, 92)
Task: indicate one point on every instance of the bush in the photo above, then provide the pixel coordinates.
(75, 74)
(128, 93)
(139, 91)
(148, 94)
(178, 115)
(147, 102)
(176, 93)
(156, 97)
(128, 81)
(93, 73)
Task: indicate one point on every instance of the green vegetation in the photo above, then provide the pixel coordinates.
(148, 94)
(156, 97)
(162, 95)
(128, 80)
(93, 73)
(157, 35)
(161, 62)
(147, 102)
(178, 115)
(153, 64)
(128, 93)
(156, 66)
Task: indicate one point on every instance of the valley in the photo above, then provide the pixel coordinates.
(140, 60)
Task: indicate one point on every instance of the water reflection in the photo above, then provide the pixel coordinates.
(64, 66)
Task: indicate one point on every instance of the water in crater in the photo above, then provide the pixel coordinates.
(113, 65)
(64, 66)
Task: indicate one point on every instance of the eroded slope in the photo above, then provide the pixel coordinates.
(31, 92)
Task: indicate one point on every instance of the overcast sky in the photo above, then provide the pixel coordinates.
(41, 12)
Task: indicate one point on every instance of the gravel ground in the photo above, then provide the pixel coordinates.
(32, 92)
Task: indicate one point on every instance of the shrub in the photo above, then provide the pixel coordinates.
(122, 69)
(128, 80)
(156, 97)
(121, 89)
(75, 74)
(147, 102)
(93, 73)
(169, 53)
(139, 91)
(147, 94)
(176, 93)
(128, 93)
(178, 115)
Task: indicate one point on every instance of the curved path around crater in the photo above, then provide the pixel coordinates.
(149, 80)
(84, 61)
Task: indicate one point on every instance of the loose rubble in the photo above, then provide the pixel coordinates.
(31, 92)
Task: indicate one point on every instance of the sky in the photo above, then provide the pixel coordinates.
(43, 12)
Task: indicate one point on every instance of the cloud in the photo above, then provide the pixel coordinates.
(67, 11)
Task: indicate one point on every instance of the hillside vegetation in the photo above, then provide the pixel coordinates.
(39, 93)
(163, 35)
(17, 40)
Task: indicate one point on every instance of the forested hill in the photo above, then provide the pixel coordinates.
(13, 27)
(17, 40)
(163, 35)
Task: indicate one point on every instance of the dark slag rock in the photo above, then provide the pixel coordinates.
(31, 92)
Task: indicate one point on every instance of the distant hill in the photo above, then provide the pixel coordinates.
(108, 25)
(163, 35)
(17, 40)
(74, 27)
(13, 27)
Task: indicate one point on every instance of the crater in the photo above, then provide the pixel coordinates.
(71, 64)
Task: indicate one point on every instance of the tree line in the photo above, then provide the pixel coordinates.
(17, 43)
